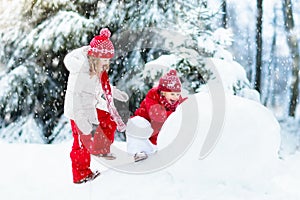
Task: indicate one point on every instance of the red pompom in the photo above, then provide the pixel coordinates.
(172, 72)
(105, 33)
(101, 46)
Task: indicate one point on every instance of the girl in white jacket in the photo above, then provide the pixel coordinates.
(89, 104)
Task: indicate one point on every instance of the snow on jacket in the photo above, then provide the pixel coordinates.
(152, 108)
(84, 93)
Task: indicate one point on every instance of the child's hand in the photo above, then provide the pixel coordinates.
(121, 128)
(157, 113)
(119, 95)
(182, 99)
(94, 128)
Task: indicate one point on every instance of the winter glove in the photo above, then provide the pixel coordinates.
(94, 128)
(157, 113)
(119, 95)
(156, 125)
(182, 99)
(83, 124)
(121, 128)
(85, 120)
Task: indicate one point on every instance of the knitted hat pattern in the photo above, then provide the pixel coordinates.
(170, 82)
(101, 46)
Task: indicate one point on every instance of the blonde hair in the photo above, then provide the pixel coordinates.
(93, 64)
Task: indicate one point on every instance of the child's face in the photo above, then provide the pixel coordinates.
(101, 65)
(172, 97)
(98, 65)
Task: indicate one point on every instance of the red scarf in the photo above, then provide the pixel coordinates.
(110, 103)
(167, 105)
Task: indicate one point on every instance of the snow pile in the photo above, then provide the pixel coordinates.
(248, 146)
(234, 78)
(243, 164)
(290, 135)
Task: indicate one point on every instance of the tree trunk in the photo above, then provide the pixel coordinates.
(292, 41)
(258, 46)
(269, 95)
(224, 14)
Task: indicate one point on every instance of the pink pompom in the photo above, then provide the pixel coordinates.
(105, 33)
(172, 72)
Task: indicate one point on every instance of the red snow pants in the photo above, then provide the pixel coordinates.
(104, 135)
(80, 157)
(99, 144)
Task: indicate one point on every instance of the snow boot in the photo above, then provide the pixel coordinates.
(107, 156)
(140, 156)
(90, 177)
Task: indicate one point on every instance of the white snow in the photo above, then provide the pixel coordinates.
(249, 142)
(25, 130)
(243, 165)
(160, 65)
(231, 73)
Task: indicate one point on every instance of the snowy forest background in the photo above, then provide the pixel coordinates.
(262, 36)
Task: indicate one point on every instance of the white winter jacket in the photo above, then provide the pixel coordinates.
(84, 94)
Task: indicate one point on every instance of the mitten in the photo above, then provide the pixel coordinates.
(94, 128)
(121, 127)
(119, 95)
(157, 113)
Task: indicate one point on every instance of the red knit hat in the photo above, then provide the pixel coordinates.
(170, 82)
(101, 46)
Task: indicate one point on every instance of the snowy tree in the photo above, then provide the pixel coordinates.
(32, 52)
(241, 20)
(37, 50)
(131, 23)
(183, 24)
(205, 39)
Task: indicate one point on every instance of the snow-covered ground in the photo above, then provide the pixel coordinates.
(243, 165)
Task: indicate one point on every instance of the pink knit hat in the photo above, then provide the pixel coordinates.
(170, 82)
(101, 46)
